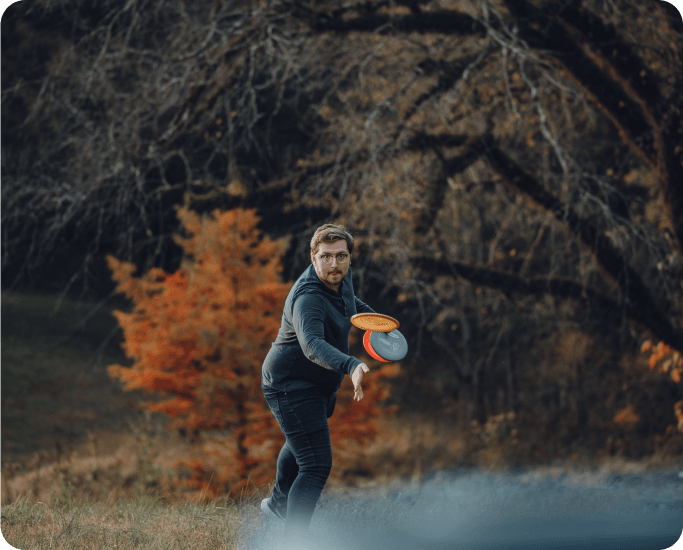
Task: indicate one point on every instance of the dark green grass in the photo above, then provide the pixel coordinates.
(55, 388)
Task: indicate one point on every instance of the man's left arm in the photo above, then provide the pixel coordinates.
(362, 307)
(362, 368)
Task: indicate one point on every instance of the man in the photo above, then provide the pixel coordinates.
(303, 371)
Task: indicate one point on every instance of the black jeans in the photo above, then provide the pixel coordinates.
(305, 459)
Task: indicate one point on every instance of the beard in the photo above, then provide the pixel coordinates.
(329, 278)
(335, 280)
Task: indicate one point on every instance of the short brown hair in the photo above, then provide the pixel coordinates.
(330, 233)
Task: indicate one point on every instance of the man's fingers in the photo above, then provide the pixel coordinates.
(357, 378)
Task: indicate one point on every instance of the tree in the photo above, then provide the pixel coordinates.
(198, 338)
(516, 160)
(117, 111)
(507, 164)
(667, 360)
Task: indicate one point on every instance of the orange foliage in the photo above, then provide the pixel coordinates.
(355, 424)
(678, 409)
(198, 338)
(668, 360)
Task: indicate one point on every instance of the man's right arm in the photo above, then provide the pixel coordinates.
(362, 307)
(308, 316)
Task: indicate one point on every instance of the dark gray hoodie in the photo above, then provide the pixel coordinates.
(312, 347)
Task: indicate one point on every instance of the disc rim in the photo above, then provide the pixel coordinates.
(371, 351)
(357, 321)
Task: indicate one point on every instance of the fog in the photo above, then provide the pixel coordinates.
(476, 510)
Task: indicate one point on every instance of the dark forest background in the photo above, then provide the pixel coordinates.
(512, 171)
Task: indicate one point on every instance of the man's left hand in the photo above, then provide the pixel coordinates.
(357, 378)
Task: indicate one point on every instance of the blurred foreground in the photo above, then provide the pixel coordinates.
(477, 510)
(534, 509)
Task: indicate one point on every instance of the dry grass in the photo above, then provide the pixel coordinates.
(63, 505)
(146, 522)
(111, 465)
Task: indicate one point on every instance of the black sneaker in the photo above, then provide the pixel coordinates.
(270, 512)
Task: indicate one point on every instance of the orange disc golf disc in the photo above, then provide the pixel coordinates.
(375, 322)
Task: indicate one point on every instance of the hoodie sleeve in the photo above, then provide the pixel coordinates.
(308, 315)
(362, 307)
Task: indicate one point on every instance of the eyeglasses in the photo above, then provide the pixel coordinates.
(341, 258)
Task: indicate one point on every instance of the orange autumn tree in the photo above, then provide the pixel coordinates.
(667, 360)
(198, 338)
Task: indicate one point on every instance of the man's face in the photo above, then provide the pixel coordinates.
(327, 264)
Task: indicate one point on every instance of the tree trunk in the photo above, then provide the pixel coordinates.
(478, 412)
(509, 376)
(580, 412)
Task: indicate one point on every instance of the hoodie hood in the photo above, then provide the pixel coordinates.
(310, 283)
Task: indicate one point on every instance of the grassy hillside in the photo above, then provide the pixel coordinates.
(68, 428)
(55, 388)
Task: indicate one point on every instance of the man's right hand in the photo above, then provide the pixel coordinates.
(357, 378)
